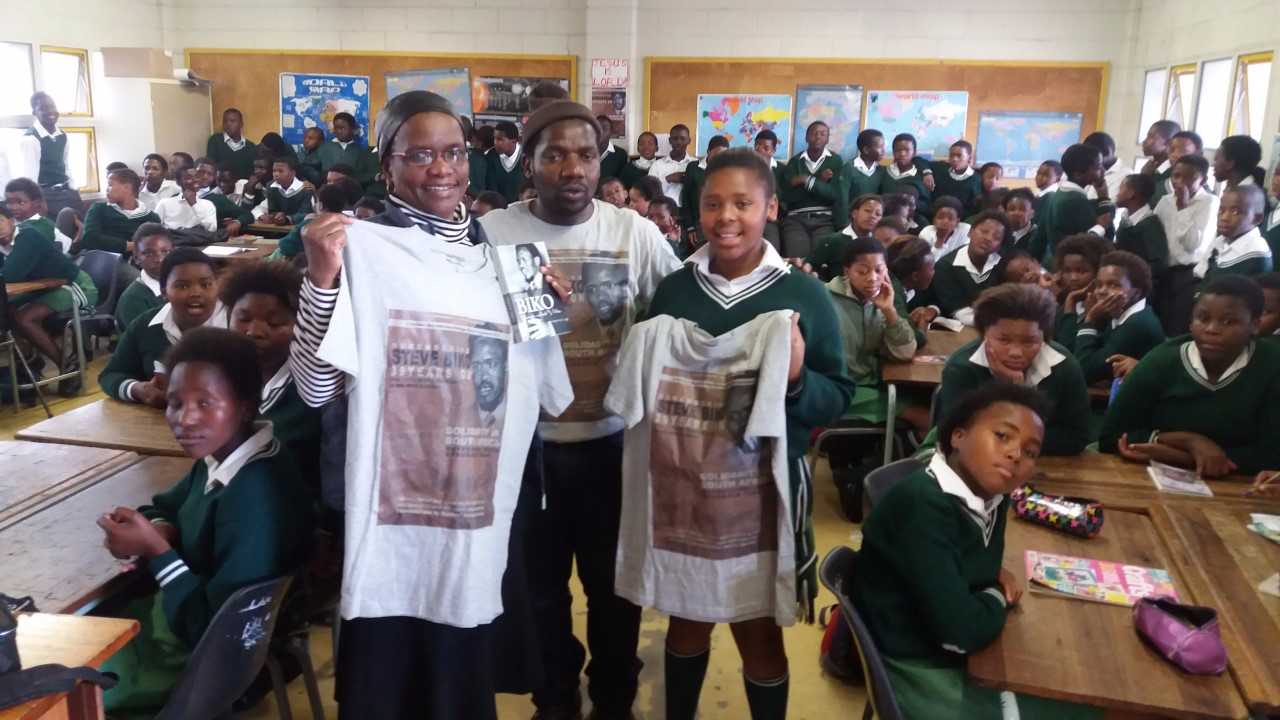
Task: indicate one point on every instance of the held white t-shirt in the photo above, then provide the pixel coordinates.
(442, 409)
(615, 261)
(706, 529)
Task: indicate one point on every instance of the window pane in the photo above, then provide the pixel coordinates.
(1186, 93)
(82, 159)
(1258, 81)
(19, 83)
(66, 78)
(1211, 113)
(1152, 96)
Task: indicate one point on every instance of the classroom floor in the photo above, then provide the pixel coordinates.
(813, 695)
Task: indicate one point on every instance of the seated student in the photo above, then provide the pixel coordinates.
(178, 162)
(888, 230)
(647, 152)
(1239, 247)
(1068, 210)
(1141, 231)
(644, 192)
(1022, 268)
(992, 197)
(231, 218)
(962, 274)
(1118, 328)
(152, 243)
(253, 192)
(1189, 214)
(612, 191)
(1078, 259)
(230, 149)
(1015, 323)
(288, 200)
(274, 146)
(813, 192)
(310, 165)
(156, 185)
(34, 255)
(347, 148)
(663, 212)
(957, 178)
(340, 196)
(947, 231)
(1048, 175)
(487, 201)
(505, 172)
(1019, 207)
(905, 172)
(691, 188)
(902, 205)
(911, 266)
(864, 174)
(110, 225)
(612, 158)
(930, 585)
(827, 258)
(368, 207)
(135, 372)
(873, 324)
(234, 520)
(188, 212)
(1269, 321)
(1209, 401)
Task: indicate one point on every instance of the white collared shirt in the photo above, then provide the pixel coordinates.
(978, 274)
(217, 319)
(1194, 364)
(152, 284)
(664, 166)
(959, 236)
(771, 268)
(848, 230)
(968, 173)
(260, 444)
(1274, 220)
(813, 165)
(897, 174)
(1129, 312)
(27, 162)
(235, 145)
(275, 388)
(1051, 189)
(150, 200)
(177, 214)
(1137, 216)
(1191, 230)
(1248, 246)
(1163, 167)
(1017, 235)
(509, 161)
(1042, 364)
(133, 214)
(981, 512)
(347, 144)
(294, 188)
(862, 167)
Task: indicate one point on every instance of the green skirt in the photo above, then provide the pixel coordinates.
(926, 691)
(59, 299)
(149, 666)
(871, 403)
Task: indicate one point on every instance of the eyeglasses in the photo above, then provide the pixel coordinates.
(424, 157)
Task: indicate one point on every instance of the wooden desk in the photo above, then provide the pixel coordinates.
(108, 424)
(1116, 482)
(56, 555)
(1223, 562)
(18, 288)
(35, 474)
(247, 253)
(269, 231)
(73, 641)
(1088, 652)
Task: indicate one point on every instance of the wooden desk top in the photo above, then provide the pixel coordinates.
(1088, 652)
(1223, 563)
(108, 424)
(56, 555)
(38, 473)
(18, 288)
(1114, 481)
(69, 640)
(940, 343)
(271, 231)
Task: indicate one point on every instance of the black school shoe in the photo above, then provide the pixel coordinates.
(71, 386)
(565, 712)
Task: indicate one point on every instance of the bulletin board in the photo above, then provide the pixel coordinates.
(249, 79)
(672, 84)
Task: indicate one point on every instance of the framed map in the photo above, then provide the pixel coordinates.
(454, 84)
(935, 117)
(308, 101)
(740, 116)
(1020, 140)
(839, 106)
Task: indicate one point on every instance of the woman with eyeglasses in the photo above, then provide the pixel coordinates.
(403, 315)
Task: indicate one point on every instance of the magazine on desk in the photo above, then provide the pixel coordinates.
(535, 309)
(1179, 481)
(1095, 580)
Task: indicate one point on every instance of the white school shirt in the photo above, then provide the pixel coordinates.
(164, 318)
(509, 161)
(436, 437)
(1042, 364)
(664, 166)
(979, 275)
(959, 236)
(177, 214)
(1189, 231)
(28, 160)
(1249, 246)
(149, 200)
(706, 531)
(861, 166)
(615, 261)
(1051, 189)
(150, 283)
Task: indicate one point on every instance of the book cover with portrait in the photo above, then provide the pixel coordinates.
(535, 308)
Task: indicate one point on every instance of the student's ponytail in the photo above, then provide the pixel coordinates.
(1259, 175)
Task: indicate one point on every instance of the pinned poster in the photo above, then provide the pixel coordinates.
(740, 117)
(609, 79)
(454, 84)
(935, 117)
(308, 101)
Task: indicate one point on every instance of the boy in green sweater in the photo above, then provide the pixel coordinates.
(1078, 259)
(930, 585)
(765, 144)
(230, 149)
(828, 257)
(1141, 231)
(813, 192)
(1068, 211)
(864, 174)
(310, 165)
(1210, 401)
(1015, 322)
(151, 245)
(956, 177)
(232, 218)
(1239, 248)
(962, 274)
(1118, 328)
(1019, 207)
(613, 158)
(288, 199)
(234, 520)
(347, 149)
(135, 372)
(912, 268)
(736, 276)
(647, 152)
(505, 172)
(907, 170)
(110, 225)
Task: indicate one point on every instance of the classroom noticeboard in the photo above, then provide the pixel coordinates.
(1020, 141)
(308, 101)
(839, 106)
(453, 84)
(935, 117)
(494, 99)
(740, 117)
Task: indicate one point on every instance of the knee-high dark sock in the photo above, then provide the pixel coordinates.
(683, 675)
(768, 699)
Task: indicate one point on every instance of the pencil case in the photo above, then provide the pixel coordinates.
(1186, 635)
(1077, 516)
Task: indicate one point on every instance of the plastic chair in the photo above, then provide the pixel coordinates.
(9, 345)
(835, 573)
(101, 266)
(879, 481)
(293, 639)
(229, 655)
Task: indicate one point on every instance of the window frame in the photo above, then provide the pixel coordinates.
(1226, 109)
(1175, 72)
(83, 55)
(1161, 104)
(1240, 71)
(93, 170)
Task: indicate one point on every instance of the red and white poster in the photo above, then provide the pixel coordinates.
(609, 80)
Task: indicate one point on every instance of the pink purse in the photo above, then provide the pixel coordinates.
(1186, 635)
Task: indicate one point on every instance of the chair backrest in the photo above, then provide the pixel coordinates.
(101, 267)
(229, 655)
(879, 481)
(836, 572)
(4, 307)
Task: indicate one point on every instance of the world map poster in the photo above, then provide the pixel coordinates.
(1020, 141)
(839, 106)
(308, 101)
(935, 117)
(740, 117)
(454, 84)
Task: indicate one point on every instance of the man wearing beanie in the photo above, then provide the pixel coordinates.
(615, 260)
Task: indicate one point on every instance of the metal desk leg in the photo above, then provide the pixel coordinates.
(889, 422)
(79, 337)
